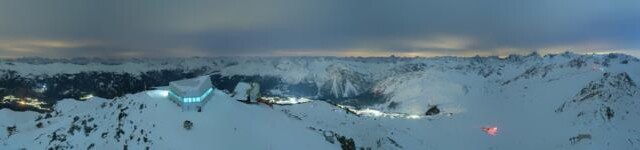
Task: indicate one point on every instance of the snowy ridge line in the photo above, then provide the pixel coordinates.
(27, 66)
(286, 100)
(524, 110)
(368, 112)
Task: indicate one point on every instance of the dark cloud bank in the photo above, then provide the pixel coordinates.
(75, 28)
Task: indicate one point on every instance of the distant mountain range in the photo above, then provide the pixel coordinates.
(539, 102)
(354, 81)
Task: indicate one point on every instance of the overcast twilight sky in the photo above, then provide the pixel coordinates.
(186, 28)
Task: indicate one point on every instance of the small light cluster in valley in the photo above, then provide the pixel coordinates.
(555, 101)
(24, 103)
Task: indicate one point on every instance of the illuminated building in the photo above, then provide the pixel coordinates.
(191, 94)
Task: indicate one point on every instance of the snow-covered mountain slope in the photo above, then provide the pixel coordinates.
(146, 120)
(564, 101)
(140, 121)
(354, 81)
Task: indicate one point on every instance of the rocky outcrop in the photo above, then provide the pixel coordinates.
(601, 99)
(343, 83)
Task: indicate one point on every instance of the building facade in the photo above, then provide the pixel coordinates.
(191, 94)
(248, 92)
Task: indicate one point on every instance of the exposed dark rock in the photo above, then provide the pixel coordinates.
(434, 110)
(73, 129)
(91, 146)
(579, 138)
(338, 87)
(611, 89)
(11, 130)
(187, 124)
(624, 62)
(577, 63)
(47, 116)
(346, 143)
(119, 133)
(608, 112)
(88, 130)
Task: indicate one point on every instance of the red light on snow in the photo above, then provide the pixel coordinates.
(493, 131)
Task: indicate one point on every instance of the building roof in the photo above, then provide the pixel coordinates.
(191, 84)
(241, 90)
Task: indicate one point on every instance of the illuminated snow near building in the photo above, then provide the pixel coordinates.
(158, 93)
(523, 102)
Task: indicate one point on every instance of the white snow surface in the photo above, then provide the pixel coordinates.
(240, 92)
(519, 95)
(192, 84)
(223, 124)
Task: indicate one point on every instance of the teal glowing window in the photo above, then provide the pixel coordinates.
(192, 99)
